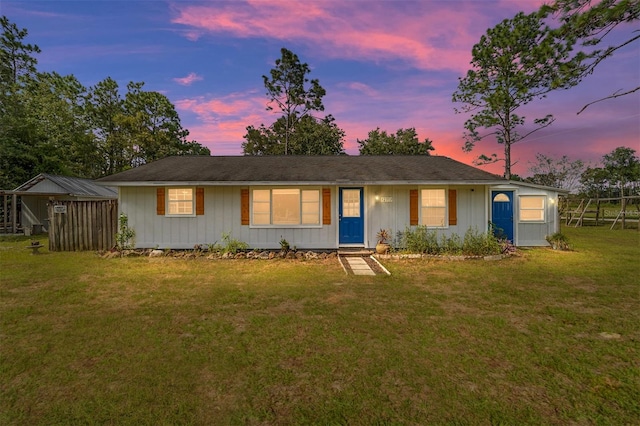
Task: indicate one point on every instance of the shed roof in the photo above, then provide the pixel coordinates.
(341, 169)
(77, 187)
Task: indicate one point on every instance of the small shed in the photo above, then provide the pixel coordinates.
(26, 207)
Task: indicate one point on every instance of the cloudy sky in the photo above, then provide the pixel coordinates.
(389, 64)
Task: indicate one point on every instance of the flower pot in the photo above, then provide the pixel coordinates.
(382, 248)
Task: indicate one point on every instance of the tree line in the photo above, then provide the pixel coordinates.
(51, 123)
(617, 174)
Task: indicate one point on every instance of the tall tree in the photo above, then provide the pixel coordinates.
(16, 57)
(556, 172)
(403, 142)
(297, 131)
(17, 66)
(152, 124)
(590, 23)
(514, 63)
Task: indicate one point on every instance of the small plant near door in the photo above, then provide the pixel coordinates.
(125, 238)
(382, 245)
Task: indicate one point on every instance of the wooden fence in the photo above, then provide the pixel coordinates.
(82, 225)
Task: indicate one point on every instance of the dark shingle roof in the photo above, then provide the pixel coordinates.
(302, 169)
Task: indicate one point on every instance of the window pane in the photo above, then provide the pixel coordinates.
(180, 201)
(433, 216)
(351, 202)
(311, 207)
(261, 206)
(532, 208)
(261, 195)
(532, 202)
(286, 206)
(536, 215)
(433, 198)
(433, 204)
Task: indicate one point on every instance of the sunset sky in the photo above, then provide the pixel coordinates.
(388, 64)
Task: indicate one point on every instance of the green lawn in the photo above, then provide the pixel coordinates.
(544, 337)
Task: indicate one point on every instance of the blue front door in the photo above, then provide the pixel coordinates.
(351, 216)
(502, 214)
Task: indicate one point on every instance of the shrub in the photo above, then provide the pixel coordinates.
(125, 238)
(230, 245)
(480, 244)
(558, 241)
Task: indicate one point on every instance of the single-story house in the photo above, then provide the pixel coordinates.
(38, 192)
(324, 202)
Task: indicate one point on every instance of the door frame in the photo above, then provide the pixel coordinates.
(511, 193)
(362, 216)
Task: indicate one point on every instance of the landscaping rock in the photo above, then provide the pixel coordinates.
(156, 253)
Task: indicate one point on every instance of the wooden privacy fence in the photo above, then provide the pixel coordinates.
(82, 225)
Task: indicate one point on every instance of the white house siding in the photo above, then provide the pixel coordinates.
(531, 234)
(221, 215)
(391, 210)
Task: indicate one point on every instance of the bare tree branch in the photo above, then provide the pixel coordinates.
(615, 95)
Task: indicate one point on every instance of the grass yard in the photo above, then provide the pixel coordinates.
(541, 338)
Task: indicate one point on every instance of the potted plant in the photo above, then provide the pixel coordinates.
(382, 245)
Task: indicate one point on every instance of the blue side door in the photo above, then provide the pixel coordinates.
(351, 228)
(502, 214)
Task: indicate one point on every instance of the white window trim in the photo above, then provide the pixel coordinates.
(292, 226)
(446, 206)
(543, 209)
(167, 201)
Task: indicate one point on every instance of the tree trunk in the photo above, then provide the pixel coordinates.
(507, 160)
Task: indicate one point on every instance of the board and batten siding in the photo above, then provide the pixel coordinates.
(222, 214)
(392, 210)
(531, 234)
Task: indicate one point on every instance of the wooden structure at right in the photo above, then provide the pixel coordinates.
(601, 211)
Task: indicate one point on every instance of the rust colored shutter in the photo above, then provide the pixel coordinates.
(453, 207)
(326, 206)
(413, 207)
(160, 201)
(244, 206)
(199, 201)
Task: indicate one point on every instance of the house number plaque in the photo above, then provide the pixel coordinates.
(60, 209)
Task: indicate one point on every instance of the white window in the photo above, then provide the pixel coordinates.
(532, 208)
(180, 201)
(286, 207)
(433, 206)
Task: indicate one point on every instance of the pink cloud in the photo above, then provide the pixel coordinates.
(427, 35)
(188, 80)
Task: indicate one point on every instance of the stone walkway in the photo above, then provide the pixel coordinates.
(358, 266)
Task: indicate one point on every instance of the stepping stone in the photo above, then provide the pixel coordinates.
(359, 266)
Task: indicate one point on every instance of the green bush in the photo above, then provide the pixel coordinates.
(422, 240)
(558, 241)
(125, 238)
(229, 245)
(480, 244)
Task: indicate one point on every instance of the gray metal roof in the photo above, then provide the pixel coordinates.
(339, 169)
(78, 187)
